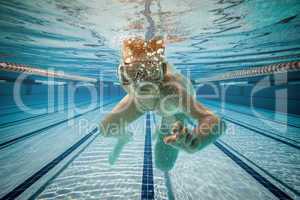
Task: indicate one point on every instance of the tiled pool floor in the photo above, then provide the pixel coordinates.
(243, 164)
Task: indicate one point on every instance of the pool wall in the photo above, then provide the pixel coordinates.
(276, 92)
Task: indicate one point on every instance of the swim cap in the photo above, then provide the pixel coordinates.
(137, 49)
(142, 60)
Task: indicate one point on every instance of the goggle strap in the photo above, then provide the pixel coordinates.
(121, 75)
(164, 68)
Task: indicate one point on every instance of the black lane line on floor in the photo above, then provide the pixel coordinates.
(28, 135)
(258, 167)
(262, 180)
(65, 166)
(35, 177)
(11, 123)
(168, 182)
(262, 133)
(260, 129)
(272, 120)
(147, 180)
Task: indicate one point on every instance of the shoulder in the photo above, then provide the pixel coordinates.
(177, 82)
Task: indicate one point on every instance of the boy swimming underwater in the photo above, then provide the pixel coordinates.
(152, 85)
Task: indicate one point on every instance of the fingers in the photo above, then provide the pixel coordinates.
(189, 138)
(180, 136)
(176, 130)
(169, 139)
(177, 127)
(200, 137)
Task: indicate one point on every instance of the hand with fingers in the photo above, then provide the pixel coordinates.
(207, 131)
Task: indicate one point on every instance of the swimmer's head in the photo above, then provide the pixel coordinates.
(142, 60)
(139, 50)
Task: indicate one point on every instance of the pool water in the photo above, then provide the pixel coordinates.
(50, 144)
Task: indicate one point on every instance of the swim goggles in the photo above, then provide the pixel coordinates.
(137, 72)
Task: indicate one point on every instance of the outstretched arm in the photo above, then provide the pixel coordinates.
(115, 123)
(207, 130)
